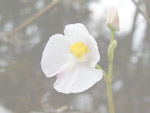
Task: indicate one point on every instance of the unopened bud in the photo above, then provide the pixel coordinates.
(113, 20)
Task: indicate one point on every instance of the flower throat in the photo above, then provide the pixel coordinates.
(78, 49)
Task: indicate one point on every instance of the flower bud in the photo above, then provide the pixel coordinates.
(113, 20)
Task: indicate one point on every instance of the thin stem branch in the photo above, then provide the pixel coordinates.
(106, 78)
(139, 9)
(98, 67)
(32, 18)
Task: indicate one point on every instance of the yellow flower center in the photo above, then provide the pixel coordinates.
(79, 49)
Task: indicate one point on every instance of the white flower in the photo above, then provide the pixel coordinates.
(73, 58)
(113, 19)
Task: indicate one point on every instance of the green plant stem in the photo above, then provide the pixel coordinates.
(108, 81)
(98, 67)
(110, 70)
(110, 98)
(108, 78)
(112, 36)
(109, 89)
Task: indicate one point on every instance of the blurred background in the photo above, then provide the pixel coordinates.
(25, 89)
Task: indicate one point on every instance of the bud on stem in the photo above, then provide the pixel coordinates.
(113, 20)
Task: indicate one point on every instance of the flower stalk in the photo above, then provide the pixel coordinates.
(112, 36)
(110, 98)
(108, 77)
(111, 49)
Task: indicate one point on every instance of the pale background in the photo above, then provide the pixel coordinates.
(25, 89)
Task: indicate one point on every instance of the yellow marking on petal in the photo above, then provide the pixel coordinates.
(79, 49)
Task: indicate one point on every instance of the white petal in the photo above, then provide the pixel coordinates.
(55, 55)
(94, 53)
(78, 32)
(77, 79)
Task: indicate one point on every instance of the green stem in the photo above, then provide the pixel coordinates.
(104, 73)
(110, 98)
(112, 36)
(108, 78)
(108, 83)
(109, 89)
(110, 70)
(98, 67)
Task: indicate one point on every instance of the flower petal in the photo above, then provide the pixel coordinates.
(78, 32)
(55, 55)
(77, 79)
(94, 53)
